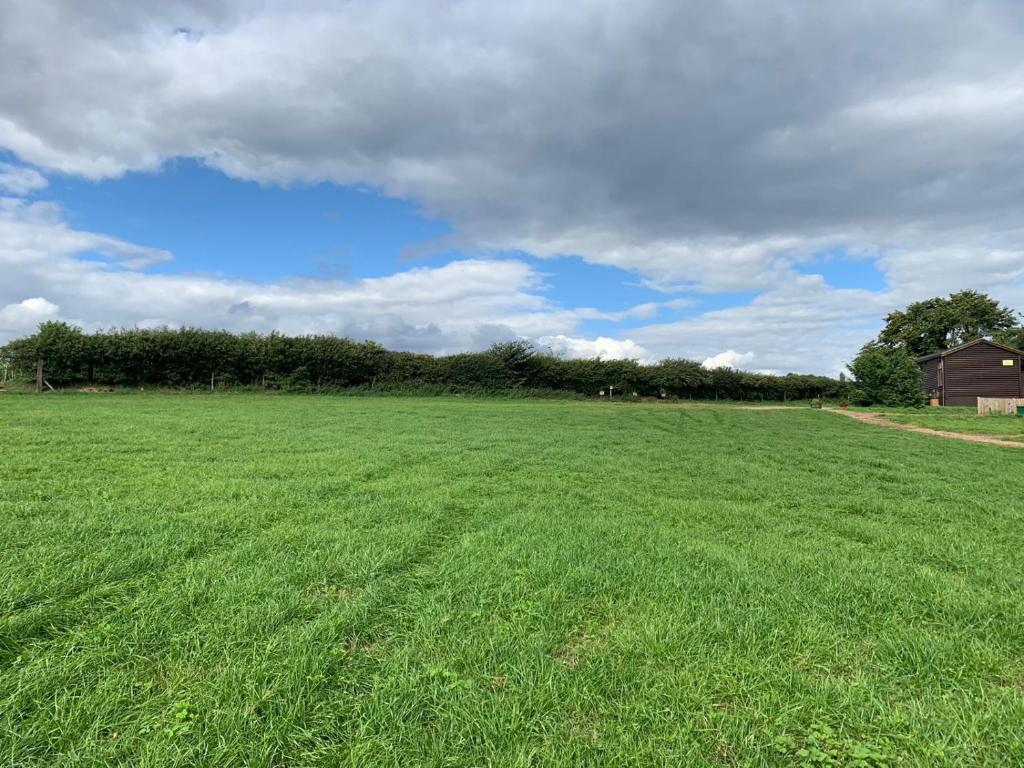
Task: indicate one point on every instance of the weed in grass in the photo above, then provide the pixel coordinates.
(822, 746)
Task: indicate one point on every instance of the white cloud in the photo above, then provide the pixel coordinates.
(730, 358)
(32, 231)
(19, 180)
(602, 347)
(935, 268)
(803, 325)
(25, 315)
(706, 264)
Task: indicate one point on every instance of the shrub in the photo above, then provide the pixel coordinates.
(886, 376)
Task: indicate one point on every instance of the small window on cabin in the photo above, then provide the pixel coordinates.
(1008, 362)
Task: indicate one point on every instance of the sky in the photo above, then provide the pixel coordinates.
(740, 183)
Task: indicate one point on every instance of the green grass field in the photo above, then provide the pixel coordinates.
(964, 420)
(231, 580)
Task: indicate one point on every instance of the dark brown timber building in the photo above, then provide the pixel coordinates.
(980, 368)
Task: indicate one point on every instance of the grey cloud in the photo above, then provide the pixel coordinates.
(705, 146)
(627, 133)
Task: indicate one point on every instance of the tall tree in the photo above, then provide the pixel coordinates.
(886, 376)
(1013, 337)
(941, 323)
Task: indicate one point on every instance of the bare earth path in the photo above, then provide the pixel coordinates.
(881, 421)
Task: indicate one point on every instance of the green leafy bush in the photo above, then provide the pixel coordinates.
(886, 376)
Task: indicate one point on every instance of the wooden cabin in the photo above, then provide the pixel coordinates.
(980, 368)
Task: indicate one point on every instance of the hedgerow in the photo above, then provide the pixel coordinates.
(192, 357)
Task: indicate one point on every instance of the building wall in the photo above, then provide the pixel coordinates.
(978, 371)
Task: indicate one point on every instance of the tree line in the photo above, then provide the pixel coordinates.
(196, 358)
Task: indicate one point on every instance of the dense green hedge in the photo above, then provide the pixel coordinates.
(189, 357)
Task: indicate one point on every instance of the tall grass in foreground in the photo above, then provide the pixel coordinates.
(254, 580)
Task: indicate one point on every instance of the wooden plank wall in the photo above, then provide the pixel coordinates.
(1003, 405)
(979, 371)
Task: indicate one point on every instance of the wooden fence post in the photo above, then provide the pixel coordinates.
(39, 375)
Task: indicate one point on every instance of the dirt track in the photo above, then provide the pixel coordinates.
(881, 421)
